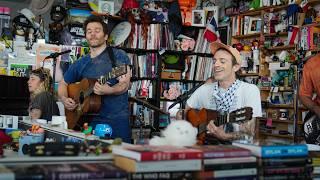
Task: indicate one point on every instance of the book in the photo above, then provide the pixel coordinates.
(284, 162)
(161, 175)
(227, 173)
(82, 171)
(6, 173)
(156, 153)
(230, 166)
(269, 151)
(222, 151)
(132, 165)
(222, 161)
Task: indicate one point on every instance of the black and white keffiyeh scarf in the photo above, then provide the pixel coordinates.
(225, 99)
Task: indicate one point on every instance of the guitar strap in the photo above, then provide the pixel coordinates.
(111, 55)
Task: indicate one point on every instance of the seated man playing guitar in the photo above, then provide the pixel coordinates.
(114, 94)
(310, 86)
(225, 95)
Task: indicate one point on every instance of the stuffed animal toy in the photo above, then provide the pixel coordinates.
(173, 92)
(178, 133)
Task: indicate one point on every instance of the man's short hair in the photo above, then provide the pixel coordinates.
(97, 19)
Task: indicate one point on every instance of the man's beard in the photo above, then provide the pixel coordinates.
(96, 45)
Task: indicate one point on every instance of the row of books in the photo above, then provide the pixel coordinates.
(309, 38)
(144, 65)
(151, 36)
(142, 88)
(222, 161)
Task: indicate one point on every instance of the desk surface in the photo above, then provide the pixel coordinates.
(12, 158)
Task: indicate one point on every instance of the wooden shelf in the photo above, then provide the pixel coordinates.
(280, 48)
(254, 12)
(181, 80)
(246, 36)
(289, 89)
(143, 78)
(281, 121)
(312, 24)
(275, 34)
(276, 135)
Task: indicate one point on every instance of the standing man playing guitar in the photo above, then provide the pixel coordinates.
(100, 61)
(310, 86)
(227, 94)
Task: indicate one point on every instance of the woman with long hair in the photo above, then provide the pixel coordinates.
(42, 102)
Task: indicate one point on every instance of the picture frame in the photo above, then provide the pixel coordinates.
(106, 7)
(198, 18)
(211, 11)
(254, 25)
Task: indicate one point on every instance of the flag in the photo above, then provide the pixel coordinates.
(293, 35)
(211, 32)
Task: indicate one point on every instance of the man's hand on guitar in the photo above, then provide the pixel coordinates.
(218, 132)
(69, 103)
(102, 89)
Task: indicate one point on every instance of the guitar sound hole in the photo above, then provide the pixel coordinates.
(81, 97)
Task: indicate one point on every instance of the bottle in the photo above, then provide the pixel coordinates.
(6, 17)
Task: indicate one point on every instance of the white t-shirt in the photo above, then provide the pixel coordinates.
(247, 95)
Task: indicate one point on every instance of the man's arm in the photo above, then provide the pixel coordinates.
(310, 104)
(119, 88)
(63, 95)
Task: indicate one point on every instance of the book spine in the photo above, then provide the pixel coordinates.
(284, 151)
(161, 175)
(289, 170)
(228, 173)
(161, 156)
(230, 166)
(284, 162)
(224, 154)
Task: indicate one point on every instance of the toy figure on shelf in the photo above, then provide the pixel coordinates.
(173, 92)
(87, 129)
(57, 15)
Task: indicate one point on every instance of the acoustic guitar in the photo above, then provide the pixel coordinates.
(82, 93)
(311, 128)
(201, 118)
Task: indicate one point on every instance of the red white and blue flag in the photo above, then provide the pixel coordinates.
(211, 32)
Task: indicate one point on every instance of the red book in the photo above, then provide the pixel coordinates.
(222, 151)
(156, 153)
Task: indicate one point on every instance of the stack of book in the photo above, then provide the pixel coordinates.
(288, 161)
(69, 171)
(227, 162)
(157, 162)
(314, 160)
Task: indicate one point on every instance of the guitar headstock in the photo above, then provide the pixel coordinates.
(241, 115)
(115, 72)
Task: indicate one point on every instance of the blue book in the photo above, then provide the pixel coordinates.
(270, 151)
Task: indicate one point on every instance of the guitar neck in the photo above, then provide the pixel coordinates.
(222, 119)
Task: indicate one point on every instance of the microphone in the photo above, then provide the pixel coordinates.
(185, 95)
(56, 54)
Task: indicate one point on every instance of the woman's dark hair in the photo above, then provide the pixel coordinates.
(97, 19)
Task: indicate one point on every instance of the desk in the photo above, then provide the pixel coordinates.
(12, 158)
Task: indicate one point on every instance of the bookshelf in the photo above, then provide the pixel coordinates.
(268, 46)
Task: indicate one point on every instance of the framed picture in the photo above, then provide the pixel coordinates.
(106, 7)
(254, 25)
(198, 18)
(211, 11)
